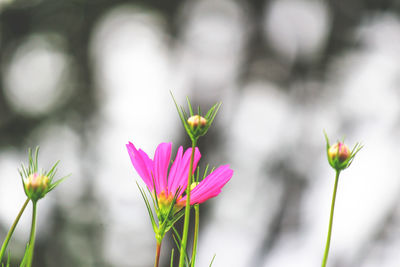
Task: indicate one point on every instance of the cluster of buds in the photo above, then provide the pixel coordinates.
(37, 183)
(339, 155)
(197, 125)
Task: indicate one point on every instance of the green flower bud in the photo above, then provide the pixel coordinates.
(36, 186)
(196, 125)
(339, 155)
(37, 183)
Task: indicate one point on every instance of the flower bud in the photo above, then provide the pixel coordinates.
(339, 151)
(36, 185)
(339, 155)
(197, 120)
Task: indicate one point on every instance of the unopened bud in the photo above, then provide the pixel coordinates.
(339, 151)
(197, 120)
(36, 185)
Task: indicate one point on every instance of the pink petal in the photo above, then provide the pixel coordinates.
(142, 163)
(211, 186)
(178, 175)
(162, 157)
(175, 168)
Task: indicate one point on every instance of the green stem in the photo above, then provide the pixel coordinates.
(328, 240)
(158, 252)
(11, 231)
(32, 237)
(196, 233)
(187, 209)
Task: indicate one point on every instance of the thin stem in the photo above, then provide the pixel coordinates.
(11, 231)
(196, 233)
(158, 252)
(32, 237)
(187, 209)
(328, 240)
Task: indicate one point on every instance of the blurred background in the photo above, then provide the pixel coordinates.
(81, 78)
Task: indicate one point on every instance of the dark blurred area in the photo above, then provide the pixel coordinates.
(81, 78)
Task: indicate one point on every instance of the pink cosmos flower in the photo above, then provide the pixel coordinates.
(156, 176)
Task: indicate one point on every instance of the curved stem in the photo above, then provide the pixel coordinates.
(187, 210)
(328, 240)
(32, 237)
(196, 233)
(11, 231)
(158, 252)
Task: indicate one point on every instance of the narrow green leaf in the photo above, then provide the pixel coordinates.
(327, 140)
(8, 259)
(25, 258)
(205, 172)
(36, 159)
(53, 185)
(178, 242)
(190, 106)
(214, 113)
(179, 110)
(146, 201)
(197, 174)
(30, 160)
(212, 110)
(155, 204)
(50, 174)
(172, 258)
(213, 259)
(155, 192)
(185, 115)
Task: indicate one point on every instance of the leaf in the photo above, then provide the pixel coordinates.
(190, 106)
(36, 159)
(25, 258)
(8, 259)
(53, 185)
(179, 110)
(212, 260)
(146, 201)
(172, 258)
(50, 174)
(175, 236)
